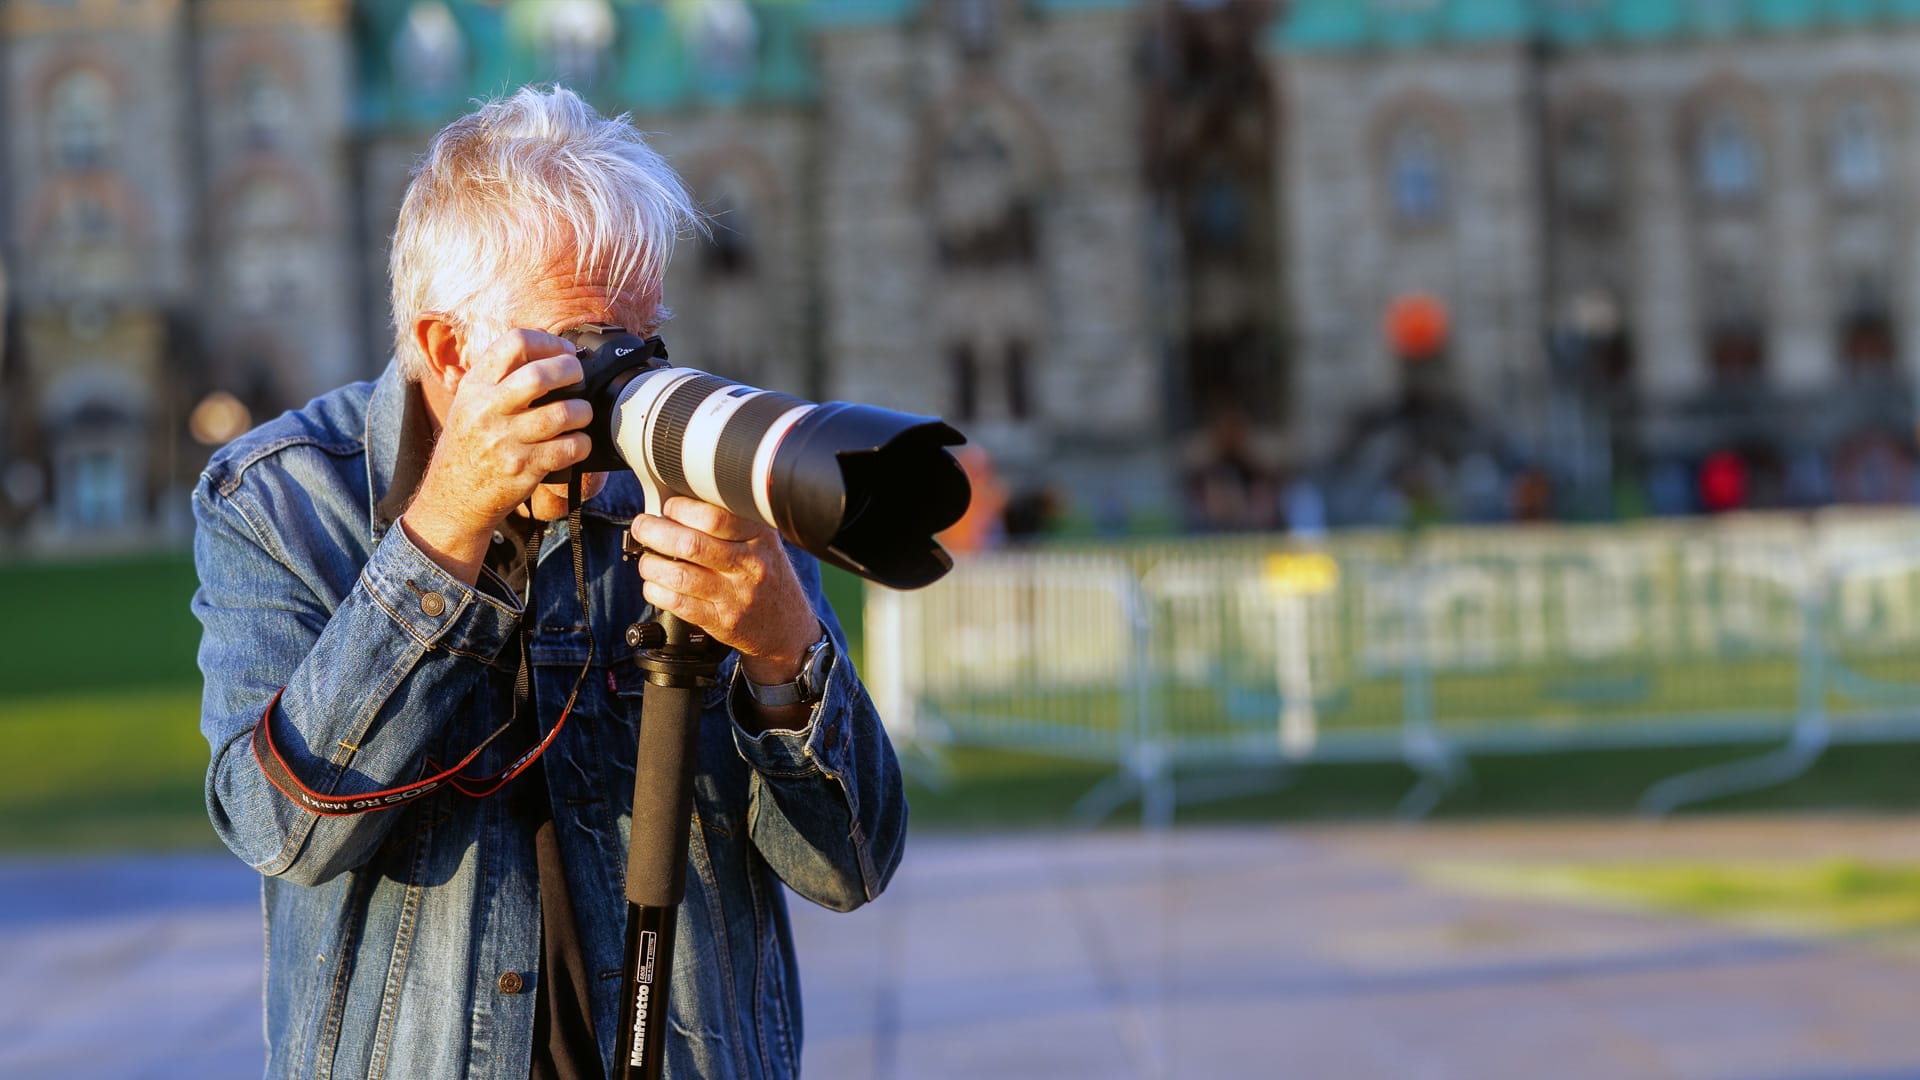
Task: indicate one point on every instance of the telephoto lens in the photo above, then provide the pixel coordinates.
(858, 486)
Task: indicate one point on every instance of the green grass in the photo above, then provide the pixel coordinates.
(74, 626)
(1845, 896)
(126, 623)
(845, 592)
(1547, 697)
(986, 788)
(118, 769)
(99, 704)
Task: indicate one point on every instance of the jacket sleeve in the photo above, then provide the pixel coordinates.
(826, 807)
(367, 670)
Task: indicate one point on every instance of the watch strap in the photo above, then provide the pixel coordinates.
(806, 687)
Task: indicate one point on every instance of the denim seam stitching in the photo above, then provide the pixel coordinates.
(716, 914)
(760, 938)
(363, 722)
(237, 470)
(863, 853)
(344, 951)
(396, 973)
(261, 534)
(790, 774)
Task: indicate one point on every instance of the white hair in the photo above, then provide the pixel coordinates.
(504, 188)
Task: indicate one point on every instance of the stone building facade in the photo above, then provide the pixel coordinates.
(1664, 230)
(1093, 233)
(177, 220)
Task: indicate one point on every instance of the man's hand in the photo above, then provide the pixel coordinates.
(730, 576)
(494, 450)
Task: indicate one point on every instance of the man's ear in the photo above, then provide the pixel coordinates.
(440, 343)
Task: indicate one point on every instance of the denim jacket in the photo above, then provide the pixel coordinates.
(405, 942)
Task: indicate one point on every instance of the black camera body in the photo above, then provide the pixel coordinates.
(610, 357)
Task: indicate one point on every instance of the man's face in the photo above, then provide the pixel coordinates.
(557, 299)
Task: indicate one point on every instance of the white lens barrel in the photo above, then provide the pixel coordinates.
(686, 432)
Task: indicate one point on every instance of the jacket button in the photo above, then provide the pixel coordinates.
(511, 983)
(433, 604)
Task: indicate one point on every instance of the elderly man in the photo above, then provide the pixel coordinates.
(388, 596)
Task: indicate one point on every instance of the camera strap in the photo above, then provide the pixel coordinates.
(274, 765)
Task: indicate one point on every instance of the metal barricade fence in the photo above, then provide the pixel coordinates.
(1256, 650)
(1015, 650)
(1870, 625)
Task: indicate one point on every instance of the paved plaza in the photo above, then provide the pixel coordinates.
(1260, 952)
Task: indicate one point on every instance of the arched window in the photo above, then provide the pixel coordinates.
(264, 263)
(1727, 159)
(1867, 335)
(1736, 330)
(265, 205)
(1856, 149)
(574, 39)
(966, 380)
(80, 120)
(429, 55)
(1019, 381)
(982, 208)
(1417, 175)
(99, 489)
(85, 221)
(975, 25)
(87, 249)
(1585, 162)
(729, 250)
(725, 40)
(737, 322)
(1220, 214)
(266, 108)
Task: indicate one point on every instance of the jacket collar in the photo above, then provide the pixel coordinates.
(396, 404)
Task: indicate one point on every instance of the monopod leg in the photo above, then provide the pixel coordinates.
(680, 663)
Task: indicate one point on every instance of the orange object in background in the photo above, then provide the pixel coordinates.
(1416, 326)
(983, 525)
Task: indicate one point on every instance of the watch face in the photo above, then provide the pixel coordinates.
(813, 674)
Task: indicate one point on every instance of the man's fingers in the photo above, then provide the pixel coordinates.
(514, 349)
(556, 454)
(677, 541)
(537, 378)
(713, 520)
(551, 420)
(701, 613)
(685, 578)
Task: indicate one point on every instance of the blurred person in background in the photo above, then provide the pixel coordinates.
(1228, 486)
(377, 599)
(1723, 482)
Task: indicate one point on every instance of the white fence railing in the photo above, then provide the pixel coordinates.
(1260, 651)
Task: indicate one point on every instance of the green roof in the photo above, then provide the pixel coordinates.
(655, 60)
(1342, 25)
(662, 55)
(832, 13)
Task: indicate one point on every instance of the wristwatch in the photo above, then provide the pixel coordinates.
(809, 686)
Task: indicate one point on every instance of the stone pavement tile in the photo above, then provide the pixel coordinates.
(1758, 837)
(153, 970)
(995, 972)
(1199, 953)
(1285, 953)
(1784, 1009)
